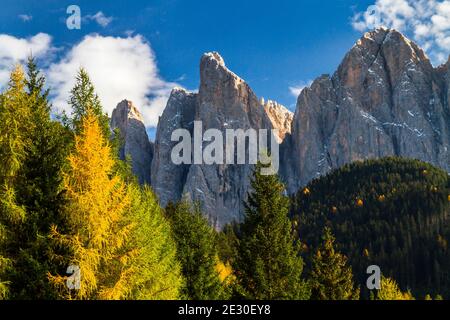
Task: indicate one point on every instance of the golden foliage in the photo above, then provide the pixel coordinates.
(224, 270)
(366, 252)
(97, 201)
(390, 291)
(14, 126)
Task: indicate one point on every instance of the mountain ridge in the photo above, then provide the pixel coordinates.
(384, 99)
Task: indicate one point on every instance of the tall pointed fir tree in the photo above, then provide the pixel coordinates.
(331, 277)
(83, 98)
(269, 265)
(197, 252)
(39, 191)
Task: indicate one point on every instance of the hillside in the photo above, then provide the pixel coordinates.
(391, 212)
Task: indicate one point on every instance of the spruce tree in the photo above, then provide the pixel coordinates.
(269, 265)
(39, 191)
(196, 244)
(83, 98)
(331, 277)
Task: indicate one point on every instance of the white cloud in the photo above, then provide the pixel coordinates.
(425, 21)
(297, 89)
(16, 50)
(25, 17)
(119, 68)
(100, 18)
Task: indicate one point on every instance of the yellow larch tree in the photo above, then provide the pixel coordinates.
(97, 202)
(14, 125)
(390, 291)
(118, 237)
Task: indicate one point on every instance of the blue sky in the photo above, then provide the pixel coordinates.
(273, 45)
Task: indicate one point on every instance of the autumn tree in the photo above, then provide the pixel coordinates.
(269, 265)
(118, 237)
(97, 202)
(14, 126)
(331, 277)
(402, 220)
(83, 97)
(390, 291)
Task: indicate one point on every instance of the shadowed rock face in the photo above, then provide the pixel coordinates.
(224, 101)
(168, 179)
(384, 99)
(136, 144)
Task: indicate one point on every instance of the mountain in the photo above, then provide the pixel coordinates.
(136, 144)
(224, 101)
(385, 99)
(393, 213)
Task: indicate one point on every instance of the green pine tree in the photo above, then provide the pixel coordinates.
(150, 270)
(39, 191)
(269, 265)
(83, 98)
(197, 252)
(331, 277)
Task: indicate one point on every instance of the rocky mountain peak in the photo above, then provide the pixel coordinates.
(280, 117)
(382, 51)
(217, 82)
(126, 110)
(213, 57)
(224, 101)
(385, 99)
(135, 143)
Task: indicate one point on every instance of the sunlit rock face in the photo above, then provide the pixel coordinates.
(385, 99)
(136, 144)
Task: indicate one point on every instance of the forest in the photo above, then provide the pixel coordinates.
(392, 212)
(67, 201)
